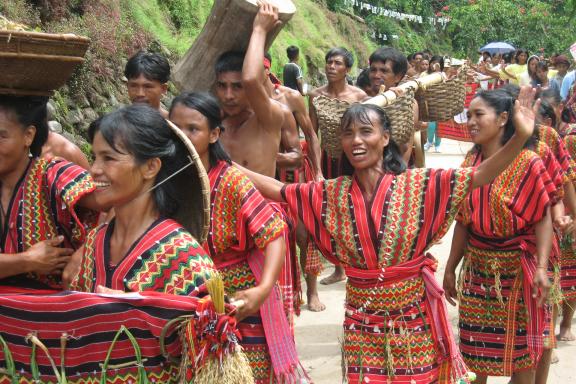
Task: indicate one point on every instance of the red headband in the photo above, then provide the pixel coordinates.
(267, 63)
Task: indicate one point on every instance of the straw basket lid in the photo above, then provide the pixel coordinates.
(36, 64)
(193, 192)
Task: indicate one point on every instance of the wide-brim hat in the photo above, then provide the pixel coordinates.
(193, 191)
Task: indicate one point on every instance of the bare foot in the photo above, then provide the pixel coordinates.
(335, 277)
(314, 304)
(566, 335)
(554, 358)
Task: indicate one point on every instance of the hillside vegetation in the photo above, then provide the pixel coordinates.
(118, 28)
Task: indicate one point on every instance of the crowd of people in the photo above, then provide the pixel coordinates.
(348, 193)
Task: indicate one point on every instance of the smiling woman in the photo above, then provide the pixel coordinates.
(378, 222)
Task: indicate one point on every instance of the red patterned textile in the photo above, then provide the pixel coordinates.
(43, 206)
(242, 225)
(499, 265)
(393, 329)
(78, 331)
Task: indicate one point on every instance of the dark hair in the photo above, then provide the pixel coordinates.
(363, 79)
(268, 56)
(530, 73)
(393, 161)
(512, 89)
(152, 65)
(486, 53)
(29, 110)
(145, 134)
(550, 95)
(519, 52)
(231, 61)
(542, 65)
(292, 52)
(410, 57)
(340, 51)
(502, 100)
(208, 106)
(507, 57)
(436, 59)
(397, 58)
(547, 111)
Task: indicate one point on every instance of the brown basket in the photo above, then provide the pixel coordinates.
(329, 113)
(33, 63)
(442, 101)
(401, 115)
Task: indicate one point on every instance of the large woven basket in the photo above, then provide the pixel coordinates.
(329, 113)
(442, 101)
(401, 115)
(33, 63)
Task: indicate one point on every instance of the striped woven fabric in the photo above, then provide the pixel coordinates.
(454, 131)
(78, 329)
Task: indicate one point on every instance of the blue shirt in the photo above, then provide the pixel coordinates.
(567, 84)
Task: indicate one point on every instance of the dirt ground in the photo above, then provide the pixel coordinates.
(319, 335)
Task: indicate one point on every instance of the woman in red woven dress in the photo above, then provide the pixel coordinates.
(43, 205)
(504, 235)
(245, 241)
(378, 221)
(145, 171)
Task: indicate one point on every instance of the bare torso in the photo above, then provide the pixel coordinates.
(249, 144)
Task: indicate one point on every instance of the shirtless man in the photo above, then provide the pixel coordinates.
(295, 104)
(59, 146)
(338, 94)
(148, 74)
(252, 120)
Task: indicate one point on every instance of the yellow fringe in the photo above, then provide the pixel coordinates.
(235, 369)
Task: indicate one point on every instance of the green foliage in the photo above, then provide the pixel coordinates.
(529, 24)
(174, 23)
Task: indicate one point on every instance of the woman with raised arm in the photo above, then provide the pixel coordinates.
(378, 220)
(504, 234)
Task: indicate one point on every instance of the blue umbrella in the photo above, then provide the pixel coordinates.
(497, 47)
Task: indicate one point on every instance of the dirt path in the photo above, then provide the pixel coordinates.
(318, 335)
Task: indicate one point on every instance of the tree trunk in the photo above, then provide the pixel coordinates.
(228, 27)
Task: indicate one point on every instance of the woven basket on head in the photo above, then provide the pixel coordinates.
(329, 112)
(33, 63)
(401, 115)
(442, 101)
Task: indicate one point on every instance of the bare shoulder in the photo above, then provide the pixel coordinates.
(318, 91)
(60, 146)
(356, 94)
(294, 99)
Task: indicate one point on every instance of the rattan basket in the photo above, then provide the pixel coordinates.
(442, 101)
(401, 115)
(329, 113)
(33, 63)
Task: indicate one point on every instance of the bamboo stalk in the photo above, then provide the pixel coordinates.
(388, 97)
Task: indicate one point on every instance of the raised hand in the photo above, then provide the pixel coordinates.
(525, 110)
(267, 17)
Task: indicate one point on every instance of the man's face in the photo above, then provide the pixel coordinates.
(383, 74)
(143, 90)
(230, 93)
(336, 68)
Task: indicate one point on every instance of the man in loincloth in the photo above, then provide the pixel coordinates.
(388, 67)
(310, 261)
(327, 105)
(147, 77)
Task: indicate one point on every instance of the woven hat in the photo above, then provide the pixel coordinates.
(193, 191)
